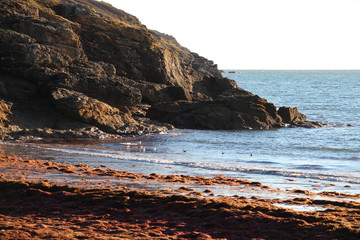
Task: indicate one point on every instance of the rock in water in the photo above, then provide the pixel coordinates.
(72, 64)
(291, 115)
(295, 119)
(236, 109)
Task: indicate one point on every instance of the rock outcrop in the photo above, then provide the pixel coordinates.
(80, 64)
(5, 111)
(235, 109)
(291, 117)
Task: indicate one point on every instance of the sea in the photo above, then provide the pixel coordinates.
(314, 159)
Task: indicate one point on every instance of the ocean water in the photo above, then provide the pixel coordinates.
(319, 159)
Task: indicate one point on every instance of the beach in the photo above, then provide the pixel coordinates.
(112, 130)
(290, 183)
(43, 199)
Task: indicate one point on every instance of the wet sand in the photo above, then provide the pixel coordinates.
(43, 199)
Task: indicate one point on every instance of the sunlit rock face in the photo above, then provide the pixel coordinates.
(76, 64)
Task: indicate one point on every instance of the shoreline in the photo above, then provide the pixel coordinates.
(39, 195)
(87, 151)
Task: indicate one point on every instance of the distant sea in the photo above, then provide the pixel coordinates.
(319, 159)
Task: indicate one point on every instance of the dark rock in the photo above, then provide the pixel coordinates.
(141, 55)
(216, 86)
(37, 55)
(90, 110)
(291, 115)
(17, 89)
(100, 114)
(12, 37)
(295, 119)
(155, 93)
(66, 66)
(236, 112)
(44, 31)
(98, 80)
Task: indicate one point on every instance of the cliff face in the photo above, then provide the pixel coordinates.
(83, 65)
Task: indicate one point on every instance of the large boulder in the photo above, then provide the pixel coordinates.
(291, 115)
(90, 110)
(100, 114)
(234, 110)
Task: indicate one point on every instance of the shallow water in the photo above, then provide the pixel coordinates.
(322, 159)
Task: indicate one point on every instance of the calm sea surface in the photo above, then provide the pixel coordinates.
(286, 158)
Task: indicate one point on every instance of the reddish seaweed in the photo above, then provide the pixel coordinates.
(40, 209)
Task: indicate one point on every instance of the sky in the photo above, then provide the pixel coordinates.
(259, 34)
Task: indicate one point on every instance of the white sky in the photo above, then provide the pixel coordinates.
(259, 34)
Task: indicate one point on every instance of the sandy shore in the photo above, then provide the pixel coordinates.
(42, 199)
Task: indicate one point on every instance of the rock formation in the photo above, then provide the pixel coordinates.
(70, 66)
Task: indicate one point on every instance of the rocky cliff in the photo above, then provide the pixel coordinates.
(79, 68)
